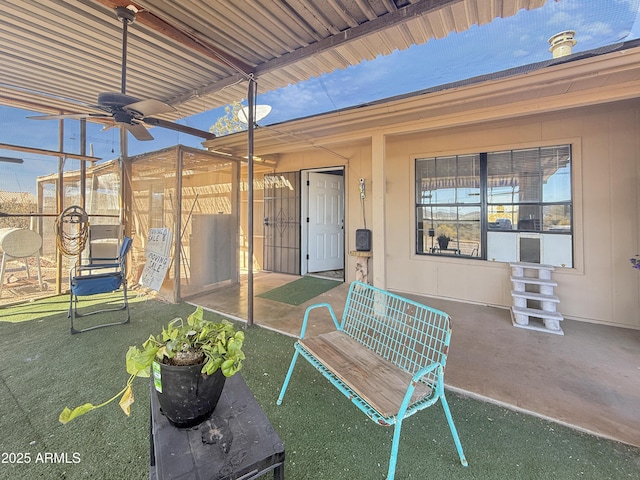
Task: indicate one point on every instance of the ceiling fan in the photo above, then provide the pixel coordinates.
(126, 111)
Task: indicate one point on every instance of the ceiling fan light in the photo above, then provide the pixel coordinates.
(121, 117)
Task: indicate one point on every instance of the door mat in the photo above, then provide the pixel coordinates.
(300, 291)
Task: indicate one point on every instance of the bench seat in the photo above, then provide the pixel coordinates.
(378, 382)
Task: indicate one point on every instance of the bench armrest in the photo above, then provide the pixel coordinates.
(312, 307)
(424, 370)
(439, 387)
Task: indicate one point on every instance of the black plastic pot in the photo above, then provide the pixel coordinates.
(187, 396)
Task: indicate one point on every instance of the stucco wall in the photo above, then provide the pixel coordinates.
(602, 287)
(355, 157)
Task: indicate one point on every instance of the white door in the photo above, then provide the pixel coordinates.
(326, 222)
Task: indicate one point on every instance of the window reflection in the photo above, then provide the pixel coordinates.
(524, 190)
(521, 182)
(448, 195)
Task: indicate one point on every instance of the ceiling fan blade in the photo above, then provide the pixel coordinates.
(115, 100)
(158, 122)
(148, 107)
(138, 130)
(63, 116)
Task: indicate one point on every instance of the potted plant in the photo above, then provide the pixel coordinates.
(189, 362)
(443, 241)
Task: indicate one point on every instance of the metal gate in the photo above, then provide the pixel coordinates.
(282, 223)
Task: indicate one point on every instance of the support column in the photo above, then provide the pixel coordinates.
(60, 202)
(83, 164)
(83, 170)
(252, 104)
(378, 189)
(177, 277)
(126, 189)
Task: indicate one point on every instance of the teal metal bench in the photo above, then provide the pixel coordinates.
(387, 356)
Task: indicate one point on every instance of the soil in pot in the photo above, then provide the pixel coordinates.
(187, 397)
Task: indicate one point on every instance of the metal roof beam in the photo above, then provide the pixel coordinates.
(149, 19)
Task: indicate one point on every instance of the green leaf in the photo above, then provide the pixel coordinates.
(138, 362)
(149, 341)
(207, 368)
(162, 351)
(230, 367)
(173, 333)
(234, 346)
(203, 333)
(165, 335)
(195, 316)
(67, 415)
(212, 365)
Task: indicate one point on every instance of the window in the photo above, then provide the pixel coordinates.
(449, 204)
(529, 189)
(487, 203)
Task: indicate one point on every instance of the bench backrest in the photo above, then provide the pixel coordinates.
(404, 332)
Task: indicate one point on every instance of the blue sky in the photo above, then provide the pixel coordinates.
(502, 44)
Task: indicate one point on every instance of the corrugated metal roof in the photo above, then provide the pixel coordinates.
(58, 55)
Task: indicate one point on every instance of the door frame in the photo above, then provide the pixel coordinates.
(304, 213)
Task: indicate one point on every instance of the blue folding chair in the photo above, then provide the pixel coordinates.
(98, 278)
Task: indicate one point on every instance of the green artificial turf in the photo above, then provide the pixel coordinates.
(300, 291)
(44, 368)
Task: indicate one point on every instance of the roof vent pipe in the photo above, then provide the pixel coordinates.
(562, 43)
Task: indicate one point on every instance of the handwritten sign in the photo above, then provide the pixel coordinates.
(155, 269)
(158, 241)
(156, 252)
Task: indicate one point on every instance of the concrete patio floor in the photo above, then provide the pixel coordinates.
(588, 379)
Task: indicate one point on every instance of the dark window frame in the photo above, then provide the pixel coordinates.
(528, 185)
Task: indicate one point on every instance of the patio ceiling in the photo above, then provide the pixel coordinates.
(57, 55)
